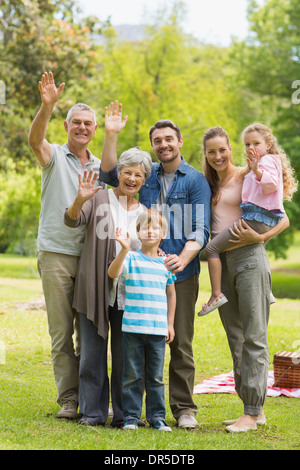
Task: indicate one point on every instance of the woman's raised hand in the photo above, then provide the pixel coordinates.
(86, 188)
(49, 93)
(114, 122)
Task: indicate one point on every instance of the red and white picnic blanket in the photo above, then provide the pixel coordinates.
(224, 383)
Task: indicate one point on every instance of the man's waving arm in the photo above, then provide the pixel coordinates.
(37, 134)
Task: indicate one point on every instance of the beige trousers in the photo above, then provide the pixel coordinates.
(246, 282)
(58, 275)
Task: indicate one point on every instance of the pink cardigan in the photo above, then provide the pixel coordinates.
(268, 192)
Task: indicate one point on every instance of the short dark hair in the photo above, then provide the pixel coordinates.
(165, 123)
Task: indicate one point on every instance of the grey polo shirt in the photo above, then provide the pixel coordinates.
(59, 188)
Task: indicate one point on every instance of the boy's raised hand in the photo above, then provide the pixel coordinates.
(124, 240)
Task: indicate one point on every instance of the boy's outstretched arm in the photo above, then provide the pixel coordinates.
(171, 300)
(116, 267)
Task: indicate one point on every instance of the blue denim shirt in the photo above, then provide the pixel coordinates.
(187, 208)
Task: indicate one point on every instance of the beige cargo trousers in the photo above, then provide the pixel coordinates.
(246, 282)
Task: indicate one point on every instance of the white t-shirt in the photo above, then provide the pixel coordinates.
(125, 220)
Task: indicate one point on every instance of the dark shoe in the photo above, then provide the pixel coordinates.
(85, 421)
(160, 425)
(68, 409)
(131, 424)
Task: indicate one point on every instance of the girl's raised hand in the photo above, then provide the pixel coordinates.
(253, 159)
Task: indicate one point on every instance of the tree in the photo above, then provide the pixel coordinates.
(38, 35)
(268, 63)
(169, 75)
(35, 35)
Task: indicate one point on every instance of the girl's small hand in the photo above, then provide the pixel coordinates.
(253, 160)
(124, 240)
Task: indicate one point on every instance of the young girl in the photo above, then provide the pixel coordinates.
(268, 182)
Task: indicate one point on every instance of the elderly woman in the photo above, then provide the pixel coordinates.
(99, 302)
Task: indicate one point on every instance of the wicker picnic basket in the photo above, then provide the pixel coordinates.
(286, 369)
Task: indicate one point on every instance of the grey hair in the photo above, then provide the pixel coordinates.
(136, 156)
(82, 107)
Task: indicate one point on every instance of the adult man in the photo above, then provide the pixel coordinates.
(184, 196)
(59, 246)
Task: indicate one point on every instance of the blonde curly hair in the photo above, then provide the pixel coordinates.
(290, 184)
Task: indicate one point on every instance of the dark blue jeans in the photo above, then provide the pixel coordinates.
(143, 358)
(93, 374)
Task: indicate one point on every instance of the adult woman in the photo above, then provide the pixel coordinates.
(246, 281)
(99, 302)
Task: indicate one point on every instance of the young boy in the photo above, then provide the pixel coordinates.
(148, 320)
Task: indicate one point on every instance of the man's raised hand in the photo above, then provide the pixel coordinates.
(114, 122)
(49, 93)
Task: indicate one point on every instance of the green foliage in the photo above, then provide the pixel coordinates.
(19, 211)
(286, 285)
(38, 35)
(268, 63)
(169, 74)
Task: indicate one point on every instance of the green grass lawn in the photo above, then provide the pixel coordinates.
(28, 394)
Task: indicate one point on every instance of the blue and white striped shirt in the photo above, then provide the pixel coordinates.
(146, 280)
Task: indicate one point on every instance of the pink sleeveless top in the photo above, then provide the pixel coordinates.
(227, 209)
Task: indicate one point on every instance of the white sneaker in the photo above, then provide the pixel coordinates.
(187, 421)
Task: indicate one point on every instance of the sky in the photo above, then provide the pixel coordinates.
(213, 21)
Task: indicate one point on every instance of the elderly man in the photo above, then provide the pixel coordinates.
(60, 246)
